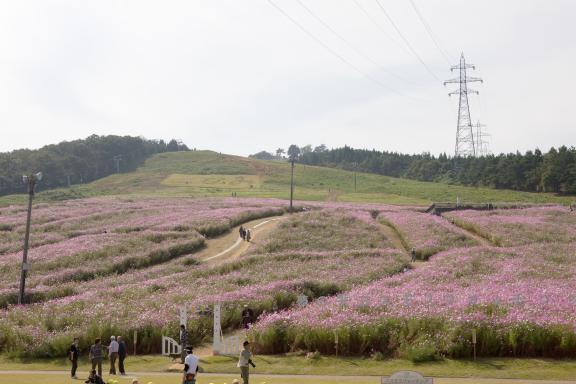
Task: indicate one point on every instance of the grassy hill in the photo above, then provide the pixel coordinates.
(207, 173)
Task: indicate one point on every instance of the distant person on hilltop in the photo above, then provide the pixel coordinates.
(113, 354)
(74, 353)
(96, 356)
(121, 355)
(183, 341)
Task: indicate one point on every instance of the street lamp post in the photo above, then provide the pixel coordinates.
(30, 181)
(355, 171)
(291, 184)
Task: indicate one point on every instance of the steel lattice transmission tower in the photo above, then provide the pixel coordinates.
(482, 148)
(465, 141)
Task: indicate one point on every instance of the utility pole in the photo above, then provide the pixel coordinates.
(293, 154)
(465, 142)
(355, 164)
(117, 160)
(291, 183)
(30, 181)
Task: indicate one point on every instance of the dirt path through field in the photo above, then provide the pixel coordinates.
(481, 240)
(230, 246)
(393, 236)
(396, 241)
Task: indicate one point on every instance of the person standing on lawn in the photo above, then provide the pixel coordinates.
(96, 356)
(183, 341)
(245, 361)
(113, 354)
(74, 353)
(121, 355)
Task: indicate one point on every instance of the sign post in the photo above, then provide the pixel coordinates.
(216, 336)
(474, 342)
(183, 316)
(135, 341)
(336, 342)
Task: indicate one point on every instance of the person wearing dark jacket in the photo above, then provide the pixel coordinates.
(74, 353)
(247, 316)
(94, 378)
(121, 355)
(183, 341)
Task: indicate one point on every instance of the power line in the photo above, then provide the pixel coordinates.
(377, 25)
(406, 40)
(430, 33)
(350, 45)
(333, 52)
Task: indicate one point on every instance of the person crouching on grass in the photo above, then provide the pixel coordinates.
(190, 367)
(94, 378)
(245, 361)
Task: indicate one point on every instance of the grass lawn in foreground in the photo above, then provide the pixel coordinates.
(175, 379)
(500, 368)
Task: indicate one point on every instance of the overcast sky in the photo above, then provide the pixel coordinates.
(240, 76)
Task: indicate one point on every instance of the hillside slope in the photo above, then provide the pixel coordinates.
(207, 173)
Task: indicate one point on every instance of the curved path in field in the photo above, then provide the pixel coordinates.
(230, 246)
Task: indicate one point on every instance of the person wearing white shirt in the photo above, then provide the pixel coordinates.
(190, 367)
(245, 361)
(113, 354)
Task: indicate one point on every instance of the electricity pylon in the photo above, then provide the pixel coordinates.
(482, 148)
(465, 143)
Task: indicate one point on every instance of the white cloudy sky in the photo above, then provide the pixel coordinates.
(238, 76)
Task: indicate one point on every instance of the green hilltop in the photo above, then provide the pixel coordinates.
(208, 173)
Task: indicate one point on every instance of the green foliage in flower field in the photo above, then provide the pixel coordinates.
(180, 174)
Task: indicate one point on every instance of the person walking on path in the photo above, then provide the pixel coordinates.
(248, 235)
(96, 356)
(245, 361)
(74, 353)
(413, 254)
(242, 232)
(190, 367)
(183, 341)
(121, 355)
(113, 354)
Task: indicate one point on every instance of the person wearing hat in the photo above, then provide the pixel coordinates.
(190, 367)
(245, 361)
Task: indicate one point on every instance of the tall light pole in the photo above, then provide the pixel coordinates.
(291, 183)
(355, 164)
(30, 181)
(117, 159)
(293, 154)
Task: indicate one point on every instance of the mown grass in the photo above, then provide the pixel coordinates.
(173, 175)
(503, 368)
